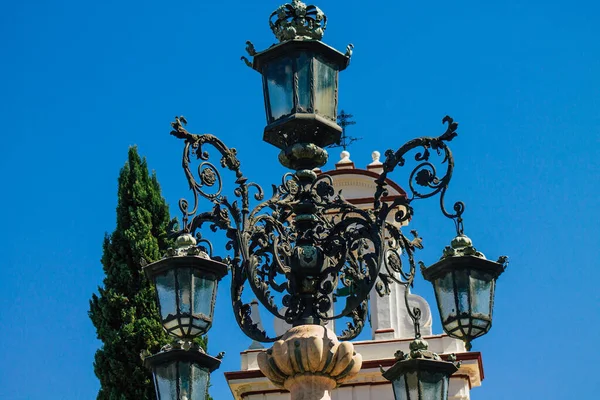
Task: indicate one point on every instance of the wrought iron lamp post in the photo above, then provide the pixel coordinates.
(305, 243)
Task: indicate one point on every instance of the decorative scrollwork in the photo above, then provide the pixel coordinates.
(424, 182)
(306, 245)
(359, 316)
(225, 215)
(424, 175)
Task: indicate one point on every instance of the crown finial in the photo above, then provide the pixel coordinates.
(296, 20)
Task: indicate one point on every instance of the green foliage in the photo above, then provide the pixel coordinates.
(124, 311)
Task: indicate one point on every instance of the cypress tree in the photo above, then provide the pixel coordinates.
(124, 311)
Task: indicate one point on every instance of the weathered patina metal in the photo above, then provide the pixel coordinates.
(296, 20)
(298, 76)
(186, 281)
(181, 370)
(464, 282)
(421, 374)
(300, 79)
(306, 241)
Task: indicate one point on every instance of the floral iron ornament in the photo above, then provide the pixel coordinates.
(304, 243)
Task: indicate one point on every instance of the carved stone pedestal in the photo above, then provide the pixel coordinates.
(310, 362)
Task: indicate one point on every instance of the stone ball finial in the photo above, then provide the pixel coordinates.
(376, 165)
(376, 156)
(306, 353)
(345, 156)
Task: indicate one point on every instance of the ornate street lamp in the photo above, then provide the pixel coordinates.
(186, 286)
(464, 282)
(300, 78)
(304, 245)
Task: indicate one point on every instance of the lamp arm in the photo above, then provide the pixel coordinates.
(424, 175)
(232, 217)
(210, 177)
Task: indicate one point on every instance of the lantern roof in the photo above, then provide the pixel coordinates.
(462, 253)
(196, 262)
(420, 358)
(292, 46)
(420, 364)
(471, 262)
(182, 351)
(186, 253)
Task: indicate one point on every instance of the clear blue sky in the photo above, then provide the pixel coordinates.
(82, 81)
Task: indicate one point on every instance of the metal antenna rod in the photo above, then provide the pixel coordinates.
(343, 122)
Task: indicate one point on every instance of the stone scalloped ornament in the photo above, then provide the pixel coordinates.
(309, 356)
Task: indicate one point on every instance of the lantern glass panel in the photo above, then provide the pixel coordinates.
(462, 284)
(165, 376)
(433, 385)
(184, 379)
(199, 380)
(165, 288)
(279, 76)
(412, 381)
(481, 288)
(444, 291)
(399, 385)
(303, 67)
(204, 292)
(325, 89)
(184, 292)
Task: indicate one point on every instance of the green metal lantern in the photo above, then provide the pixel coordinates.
(420, 375)
(464, 282)
(300, 78)
(180, 373)
(186, 287)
